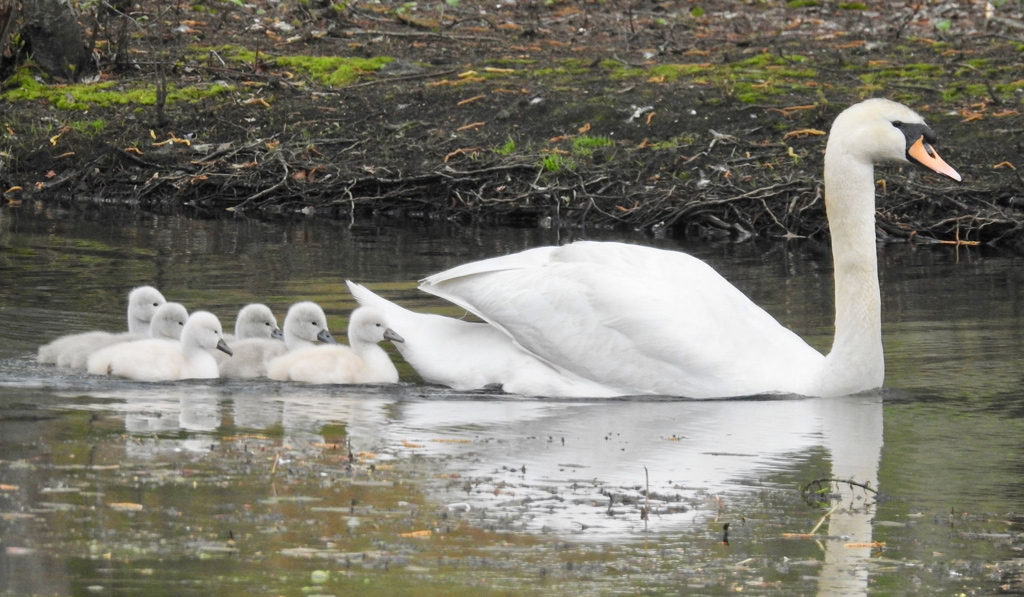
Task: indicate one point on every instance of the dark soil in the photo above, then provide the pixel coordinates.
(689, 118)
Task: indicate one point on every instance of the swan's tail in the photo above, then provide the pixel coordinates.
(367, 298)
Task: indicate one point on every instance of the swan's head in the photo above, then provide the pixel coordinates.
(307, 322)
(257, 321)
(143, 303)
(203, 329)
(368, 326)
(880, 130)
(169, 321)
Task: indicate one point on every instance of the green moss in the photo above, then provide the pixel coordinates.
(671, 72)
(852, 6)
(508, 148)
(585, 145)
(89, 128)
(683, 140)
(802, 3)
(555, 163)
(23, 86)
(334, 71)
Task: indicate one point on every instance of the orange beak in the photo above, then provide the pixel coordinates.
(925, 154)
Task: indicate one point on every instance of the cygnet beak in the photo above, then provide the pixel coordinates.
(223, 347)
(277, 334)
(326, 337)
(389, 334)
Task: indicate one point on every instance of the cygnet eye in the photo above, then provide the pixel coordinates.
(377, 324)
(266, 323)
(181, 323)
(156, 304)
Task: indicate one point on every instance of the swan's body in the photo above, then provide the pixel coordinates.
(469, 356)
(305, 326)
(158, 359)
(637, 320)
(363, 361)
(73, 351)
(257, 340)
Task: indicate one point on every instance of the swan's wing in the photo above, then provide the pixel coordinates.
(636, 319)
(468, 356)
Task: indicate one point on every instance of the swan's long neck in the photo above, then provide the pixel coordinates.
(856, 362)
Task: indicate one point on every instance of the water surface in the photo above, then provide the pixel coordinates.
(117, 487)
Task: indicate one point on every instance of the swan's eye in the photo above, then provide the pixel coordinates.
(266, 323)
(377, 324)
(156, 304)
(181, 323)
(897, 123)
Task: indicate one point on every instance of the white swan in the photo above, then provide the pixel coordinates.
(469, 356)
(158, 359)
(255, 321)
(168, 323)
(641, 320)
(305, 326)
(73, 350)
(360, 362)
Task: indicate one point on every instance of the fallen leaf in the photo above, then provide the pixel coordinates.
(559, 138)
(800, 133)
(1004, 165)
(650, 116)
(417, 534)
(470, 100)
(272, 145)
(66, 155)
(471, 126)
(468, 73)
(132, 150)
(126, 506)
(257, 101)
(50, 174)
(871, 544)
(5, 487)
(13, 189)
(503, 71)
(583, 129)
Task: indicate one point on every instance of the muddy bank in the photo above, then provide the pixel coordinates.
(687, 119)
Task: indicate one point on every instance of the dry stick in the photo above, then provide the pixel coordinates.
(443, 73)
(823, 519)
(265, 192)
(427, 34)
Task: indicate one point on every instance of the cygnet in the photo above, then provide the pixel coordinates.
(363, 361)
(159, 359)
(73, 350)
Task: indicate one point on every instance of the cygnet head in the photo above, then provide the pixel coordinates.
(306, 323)
(142, 305)
(203, 330)
(369, 326)
(880, 130)
(257, 321)
(169, 321)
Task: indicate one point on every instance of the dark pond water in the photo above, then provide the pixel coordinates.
(195, 488)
